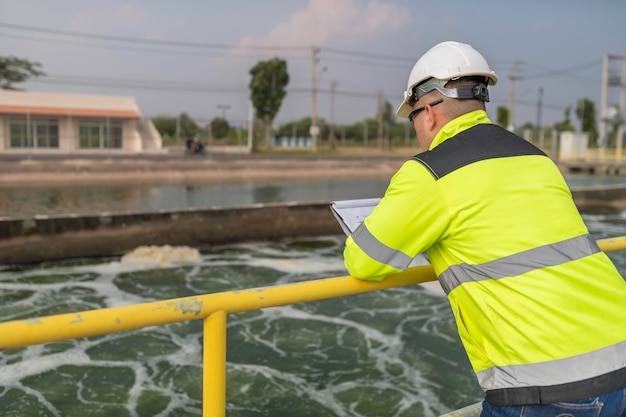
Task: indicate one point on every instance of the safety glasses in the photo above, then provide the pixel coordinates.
(417, 111)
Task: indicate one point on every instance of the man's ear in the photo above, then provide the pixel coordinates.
(431, 117)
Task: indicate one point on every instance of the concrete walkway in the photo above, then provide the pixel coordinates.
(191, 168)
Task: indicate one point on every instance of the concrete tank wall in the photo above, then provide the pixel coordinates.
(48, 238)
(62, 237)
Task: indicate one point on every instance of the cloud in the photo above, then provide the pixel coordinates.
(322, 21)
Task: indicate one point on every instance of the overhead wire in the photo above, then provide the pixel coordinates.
(128, 39)
(203, 48)
(203, 45)
(175, 85)
(567, 72)
(238, 55)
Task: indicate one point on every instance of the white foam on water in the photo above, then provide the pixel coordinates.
(34, 363)
(369, 332)
(151, 257)
(385, 351)
(316, 265)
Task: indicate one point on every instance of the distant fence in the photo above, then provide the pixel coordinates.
(290, 142)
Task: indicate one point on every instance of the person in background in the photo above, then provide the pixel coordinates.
(198, 146)
(540, 310)
(190, 144)
(193, 145)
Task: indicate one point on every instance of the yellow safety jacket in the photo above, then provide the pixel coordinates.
(541, 311)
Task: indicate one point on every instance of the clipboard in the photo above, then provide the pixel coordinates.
(351, 213)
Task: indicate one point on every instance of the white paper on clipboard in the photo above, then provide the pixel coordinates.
(351, 213)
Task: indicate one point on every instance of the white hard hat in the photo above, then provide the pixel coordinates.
(445, 61)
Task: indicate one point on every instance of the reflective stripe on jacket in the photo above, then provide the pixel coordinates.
(537, 304)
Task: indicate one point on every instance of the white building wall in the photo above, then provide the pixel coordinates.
(150, 137)
(69, 109)
(4, 132)
(67, 137)
(574, 145)
(131, 141)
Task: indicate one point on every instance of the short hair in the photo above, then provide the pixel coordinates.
(472, 80)
(453, 107)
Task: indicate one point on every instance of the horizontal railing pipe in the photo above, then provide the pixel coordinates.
(20, 333)
(612, 244)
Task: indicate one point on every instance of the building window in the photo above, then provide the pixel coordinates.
(33, 133)
(99, 134)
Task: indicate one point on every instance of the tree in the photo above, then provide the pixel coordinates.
(166, 126)
(296, 127)
(267, 90)
(188, 127)
(566, 124)
(17, 70)
(176, 127)
(502, 116)
(219, 127)
(586, 113)
(389, 113)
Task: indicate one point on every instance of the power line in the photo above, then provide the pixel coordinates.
(133, 81)
(333, 60)
(145, 50)
(367, 55)
(142, 84)
(202, 45)
(548, 73)
(199, 87)
(566, 72)
(127, 39)
(361, 61)
(134, 44)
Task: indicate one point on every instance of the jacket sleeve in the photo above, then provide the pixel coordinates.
(410, 217)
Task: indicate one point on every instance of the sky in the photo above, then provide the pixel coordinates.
(195, 56)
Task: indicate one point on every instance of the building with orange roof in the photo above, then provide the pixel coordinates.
(73, 123)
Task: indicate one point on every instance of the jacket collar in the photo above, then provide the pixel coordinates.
(456, 126)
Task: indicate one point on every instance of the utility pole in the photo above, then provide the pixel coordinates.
(250, 125)
(612, 114)
(602, 140)
(380, 120)
(620, 107)
(223, 107)
(332, 140)
(177, 129)
(540, 129)
(539, 103)
(512, 77)
(365, 133)
(314, 130)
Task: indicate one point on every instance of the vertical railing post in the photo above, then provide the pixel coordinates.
(214, 366)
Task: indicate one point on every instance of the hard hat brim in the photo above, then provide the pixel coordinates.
(404, 110)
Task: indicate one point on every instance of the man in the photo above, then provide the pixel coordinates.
(541, 311)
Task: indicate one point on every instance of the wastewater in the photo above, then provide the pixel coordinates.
(19, 201)
(393, 352)
(28, 201)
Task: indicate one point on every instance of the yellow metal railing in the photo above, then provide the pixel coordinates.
(602, 155)
(213, 309)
